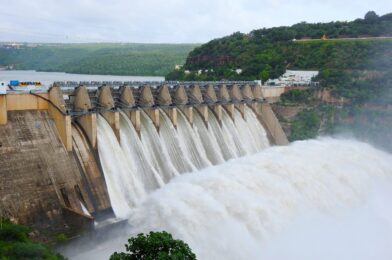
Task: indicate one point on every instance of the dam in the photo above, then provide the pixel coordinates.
(83, 152)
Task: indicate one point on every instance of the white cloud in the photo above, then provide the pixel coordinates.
(164, 20)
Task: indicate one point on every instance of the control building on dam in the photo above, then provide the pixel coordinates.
(52, 178)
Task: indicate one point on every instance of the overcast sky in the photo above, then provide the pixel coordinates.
(169, 21)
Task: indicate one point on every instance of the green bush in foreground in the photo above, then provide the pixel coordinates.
(155, 245)
(306, 125)
(296, 96)
(15, 244)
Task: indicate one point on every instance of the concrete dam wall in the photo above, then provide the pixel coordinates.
(53, 176)
(41, 185)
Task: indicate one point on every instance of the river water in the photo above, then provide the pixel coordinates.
(48, 78)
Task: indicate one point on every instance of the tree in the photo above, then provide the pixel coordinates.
(155, 245)
(15, 244)
(265, 73)
(371, 16)
(305, 126)
(296, 96)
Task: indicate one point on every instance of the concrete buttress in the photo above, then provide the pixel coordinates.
(59, 115)
(88, 121)
(112, 116)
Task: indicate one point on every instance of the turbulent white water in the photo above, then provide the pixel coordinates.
(208, 138)
(237, 210)
(157, 151)
(224, 139)
(244, 132)
(124, 187)
(151, 158)
(175, 145)
(193, 144)
(137, 154)
(232, 131)
(318, 199)
(258, 133)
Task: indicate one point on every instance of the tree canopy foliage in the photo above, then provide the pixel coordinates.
(15, 244)
(305, 126)
(296, 96)
(155, 246)
(109, 59)
(269, 52)
(369, 86)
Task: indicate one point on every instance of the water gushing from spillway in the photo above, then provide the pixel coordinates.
(193, 144)
(137, 153)
(238, 209)
(224, 139)
(233, 130)
(250, 207)
(258, 133)
(208, 138)
(175, 145)
(151, 158)
(124, 187)
(245, 133)
(156, 149)
(317, 199)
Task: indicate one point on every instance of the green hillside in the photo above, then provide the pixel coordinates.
(105, 58)
(354, 60)
(267, 53)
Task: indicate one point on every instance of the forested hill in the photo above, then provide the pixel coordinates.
(98, 58)
(267, 53)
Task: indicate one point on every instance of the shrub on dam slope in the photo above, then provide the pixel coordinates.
(15, 244)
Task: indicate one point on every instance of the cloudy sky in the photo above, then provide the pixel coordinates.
(171, 21)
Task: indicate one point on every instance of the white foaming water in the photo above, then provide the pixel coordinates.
(157, 151)
(123, 187)
(136, 153)
(232, 130)
(317, 199)
(193, 145)
(155, 158)
(245, 134)
(257, 130)
(224, 139)
(175, 145)
(247, 208)
(214, 152)
(230, 136)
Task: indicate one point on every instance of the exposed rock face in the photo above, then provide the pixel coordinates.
(217, 60)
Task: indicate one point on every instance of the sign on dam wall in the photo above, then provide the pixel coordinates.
(153, 132)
